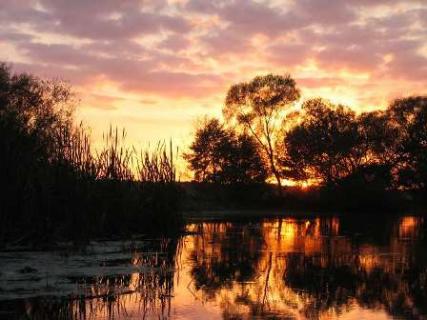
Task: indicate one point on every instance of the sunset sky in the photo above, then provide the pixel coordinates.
(155, 66)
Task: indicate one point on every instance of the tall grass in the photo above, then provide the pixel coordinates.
(157, 166)
(156, 173)
(81, 194)
(115, 160)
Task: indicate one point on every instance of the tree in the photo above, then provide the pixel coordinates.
(409, 117)
(334, 146)
(323, 145)
(219, 155)
(35, 131)
(210, 139)
(257, 108)
(41, 109)
(247, 163)
(377, 138)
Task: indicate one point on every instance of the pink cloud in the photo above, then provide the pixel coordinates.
(155, 46)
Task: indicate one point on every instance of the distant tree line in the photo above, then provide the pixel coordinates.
(321, 143)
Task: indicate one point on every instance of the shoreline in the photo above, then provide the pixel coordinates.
(192, 216)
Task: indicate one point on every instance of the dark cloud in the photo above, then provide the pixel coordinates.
(408, 66)
(226, 41)
(13, 36)
(93, 19)
(325, 12)
(251, 17)
(58, 54)
(248, 17)
(289, 53)
(175, 42)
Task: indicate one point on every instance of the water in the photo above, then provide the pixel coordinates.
(275, 268)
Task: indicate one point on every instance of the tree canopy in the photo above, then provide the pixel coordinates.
(257, 108)
(323, 145)
(323, 142)
(408, 116)
(220, 155)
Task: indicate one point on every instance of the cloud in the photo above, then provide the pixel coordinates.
(193, 48)
(325, 12)
(109, 19)
(175, 42)
(290, 54)
(225, 42)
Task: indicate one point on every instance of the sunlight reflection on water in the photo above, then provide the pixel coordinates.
(281, 268)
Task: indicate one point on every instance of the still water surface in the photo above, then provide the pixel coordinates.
(276, 268)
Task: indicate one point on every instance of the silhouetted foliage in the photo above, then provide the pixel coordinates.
(257, 107)
(247, 165)
(324, 145)
(377, 138)
(35, 122)
(334, 146)
(409, 118)
(54, 186)
(219, 155)
(372, 155)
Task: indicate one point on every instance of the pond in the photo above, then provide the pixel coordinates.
(313, 267)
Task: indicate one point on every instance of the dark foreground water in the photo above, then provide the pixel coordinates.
(276, 268)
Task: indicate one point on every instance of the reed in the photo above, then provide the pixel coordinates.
(115, 159)
(157, 166)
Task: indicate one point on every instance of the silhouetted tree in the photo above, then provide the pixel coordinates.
(35, 118)
(377, 138)
(210, 138)
(219, 155)
(333, 145)
(257, 107)
(247, 164)
(323, 145)
(409, 117)
(41, 109)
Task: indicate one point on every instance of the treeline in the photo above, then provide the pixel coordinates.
(56, 187)
(359, 159)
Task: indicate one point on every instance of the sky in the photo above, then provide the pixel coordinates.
(156, 66)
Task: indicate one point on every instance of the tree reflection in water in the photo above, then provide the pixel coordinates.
(306, 268)
(311, 268)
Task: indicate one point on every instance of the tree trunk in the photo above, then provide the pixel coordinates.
(279, 183)
(276, 175)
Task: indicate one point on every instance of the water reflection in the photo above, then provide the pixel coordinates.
(284, 268)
